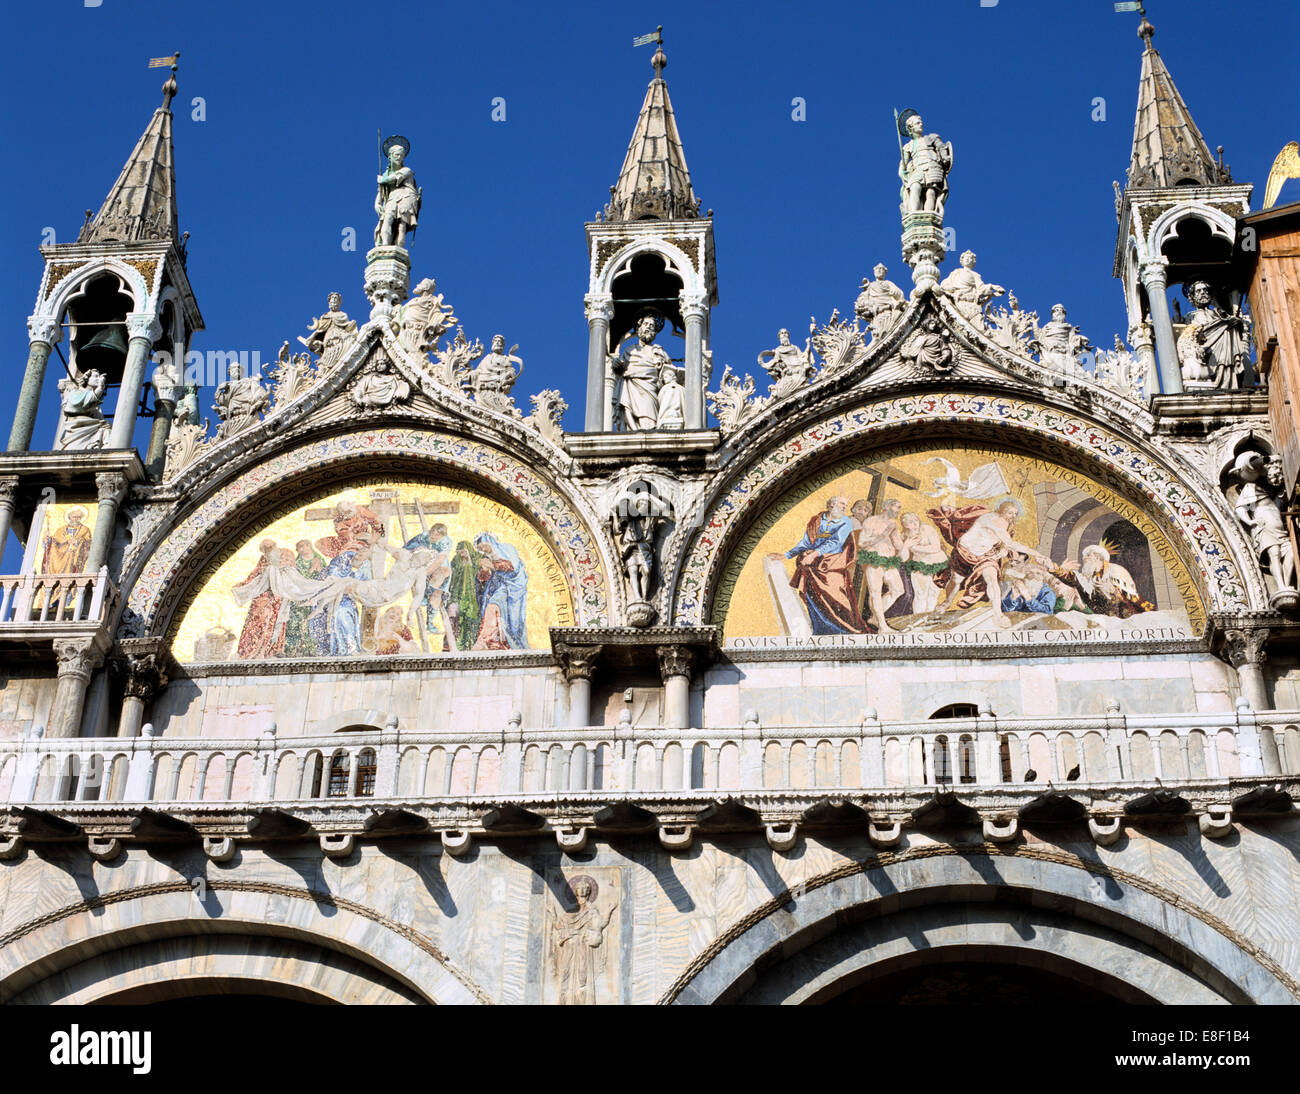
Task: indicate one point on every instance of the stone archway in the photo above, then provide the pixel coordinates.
(1094, 926)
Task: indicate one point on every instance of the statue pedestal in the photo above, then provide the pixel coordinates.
(388, 279)
(923, 247)
(1286, 601)
(640, 614)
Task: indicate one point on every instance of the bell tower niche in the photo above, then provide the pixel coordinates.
(120, 294)
(652, 271)
(1178, 232)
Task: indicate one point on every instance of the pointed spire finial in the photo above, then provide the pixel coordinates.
(1146, 31)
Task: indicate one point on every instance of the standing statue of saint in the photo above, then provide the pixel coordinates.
(881, 303)
(330, 334)
(924, 165)
(397, 204)
(1212, 347)
(1259, 506)
(789, 366)
(970, 293)
(640, 367)
(1059, 343)
(238, 402)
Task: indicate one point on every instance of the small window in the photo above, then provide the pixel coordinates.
(966, 758)
(942, 761)
(365, 782)
(338, 787)
(957, 710)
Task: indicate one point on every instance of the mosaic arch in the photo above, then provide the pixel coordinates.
(950, 545)
(167, 575)
(384, 567)
(1201, 554)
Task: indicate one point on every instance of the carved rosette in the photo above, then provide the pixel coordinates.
(577, 662)
(675, 661)
(1244, 646)
(78, 657)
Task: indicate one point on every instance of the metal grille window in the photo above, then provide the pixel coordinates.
(365, 782)
(338, 787)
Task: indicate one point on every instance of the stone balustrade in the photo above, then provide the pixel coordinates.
(984, 753)
(55, 599)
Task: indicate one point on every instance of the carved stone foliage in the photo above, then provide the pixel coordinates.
(577, 662)
(548, 413)
(840, 344)
(675, 660)
(1244, 646)
(451, 368)
(145, 675)
(734, 403)
(77, 657)
(293, 374)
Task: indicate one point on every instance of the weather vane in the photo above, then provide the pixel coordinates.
(646, 39)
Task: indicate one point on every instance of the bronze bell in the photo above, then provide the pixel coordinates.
(105, 350)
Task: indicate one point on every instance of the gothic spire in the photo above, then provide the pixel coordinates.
(142, 203)
(1168, 149)
(655, 183)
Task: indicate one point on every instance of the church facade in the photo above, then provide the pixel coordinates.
(958, 663)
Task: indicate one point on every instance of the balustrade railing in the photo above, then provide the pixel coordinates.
(27, 599)
(984, 752)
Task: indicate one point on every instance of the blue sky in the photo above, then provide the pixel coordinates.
(285, 159)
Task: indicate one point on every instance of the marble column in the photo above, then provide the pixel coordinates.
(8, 494)
(675, 663)
(143, 330)
(43, 333)
(694, 311)
(78, 658)
(578, 663)
(1245, 651)
(144, 679)
(164, 406)
(111, 487)
(600, 310)
(1154, 280)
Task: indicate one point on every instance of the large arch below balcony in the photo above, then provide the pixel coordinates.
(1094, 928)
(230, 937)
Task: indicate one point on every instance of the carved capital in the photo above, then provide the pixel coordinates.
(693, 305)
(1244, 647)
(111, 487)
(599, 305)
(675, 660)
(1154, 275)
(44, 328)
(8, 491)
(577, 662)
(143, 324)
(78, 657)
(145, 676)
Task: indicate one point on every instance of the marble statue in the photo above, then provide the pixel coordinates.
(924, 166)
(970, 293)
(789, 366)
(424, 318)
(639, 367)
(329, 334)
(397, 204)
(672, 400)
(635, 519)
(1058, 343)
(497, 371)
(1260, 506)
(1212, 347)
(84, 424)
(881, 303)
(187, 407)
(238, 402)
(381, 386)
(187, 437)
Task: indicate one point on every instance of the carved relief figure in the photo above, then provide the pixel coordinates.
(238, 402)
(639, 368)
(1212, 347)
(635, 520)
(789, 366)
(926, 161)
(930, 347)
(382, 386)
(881, 303)
(970, 293)
(397, 204)
(84, 425)
(1259, 506)
(330, 334)
(578, 945)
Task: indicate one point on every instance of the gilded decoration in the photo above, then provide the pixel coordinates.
(383, 567)
(1113, 462)
(59, 271)
(959, 544)
(62, 534)
(160, 582)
